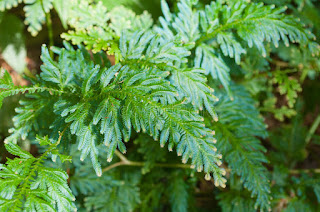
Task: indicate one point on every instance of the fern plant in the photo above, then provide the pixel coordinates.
(27, 185)
(170, 85)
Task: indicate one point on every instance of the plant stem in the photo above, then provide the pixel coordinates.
(125, 162)
(298, 171)
(313, 129)
(49, 27)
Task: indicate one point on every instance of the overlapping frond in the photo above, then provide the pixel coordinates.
(138, 96)
(192, 83)
(240, 201)
(184, 24)
(167, 56)
(157, 86)
(253, 24)
(227, 28)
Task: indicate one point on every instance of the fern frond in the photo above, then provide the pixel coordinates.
(125, 190)
(8, 4)
(146, 48)
(94, 39)
(212, 62)
(224, 28)
(236, 130)
(25, 184)
(191, 82)
(90, 28)
(5, 79)
(178, 192)
(27, 118)
(149, 48)
(35, 11)
(136, 96)
(52, 71)
(124, 19)
(35, 14)
(240, 201)
(7, 88)
(84, 15)
(182, 128)
(287, 86)
(96, 34)
(254, 23)
(184, 24)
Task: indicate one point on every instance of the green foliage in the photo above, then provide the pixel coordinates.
(279, 113)
(253, 24)
(35, 12)
(301, 192)
(90, 24)
(121, 195)
(238, 129)
(178, 191)
(122, 18)
(204, 80)
(240, 201)
(25, 184)
(287, 86)
(137, 6)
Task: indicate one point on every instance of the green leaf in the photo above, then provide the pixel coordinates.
(60, 73)
(235, 201)
(65, 158)
(14, 149)
(35, 14)
(316, 189)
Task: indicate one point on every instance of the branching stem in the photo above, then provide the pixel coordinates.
(313, 129)
(299, 171)
(49, 27)
(125, 162)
